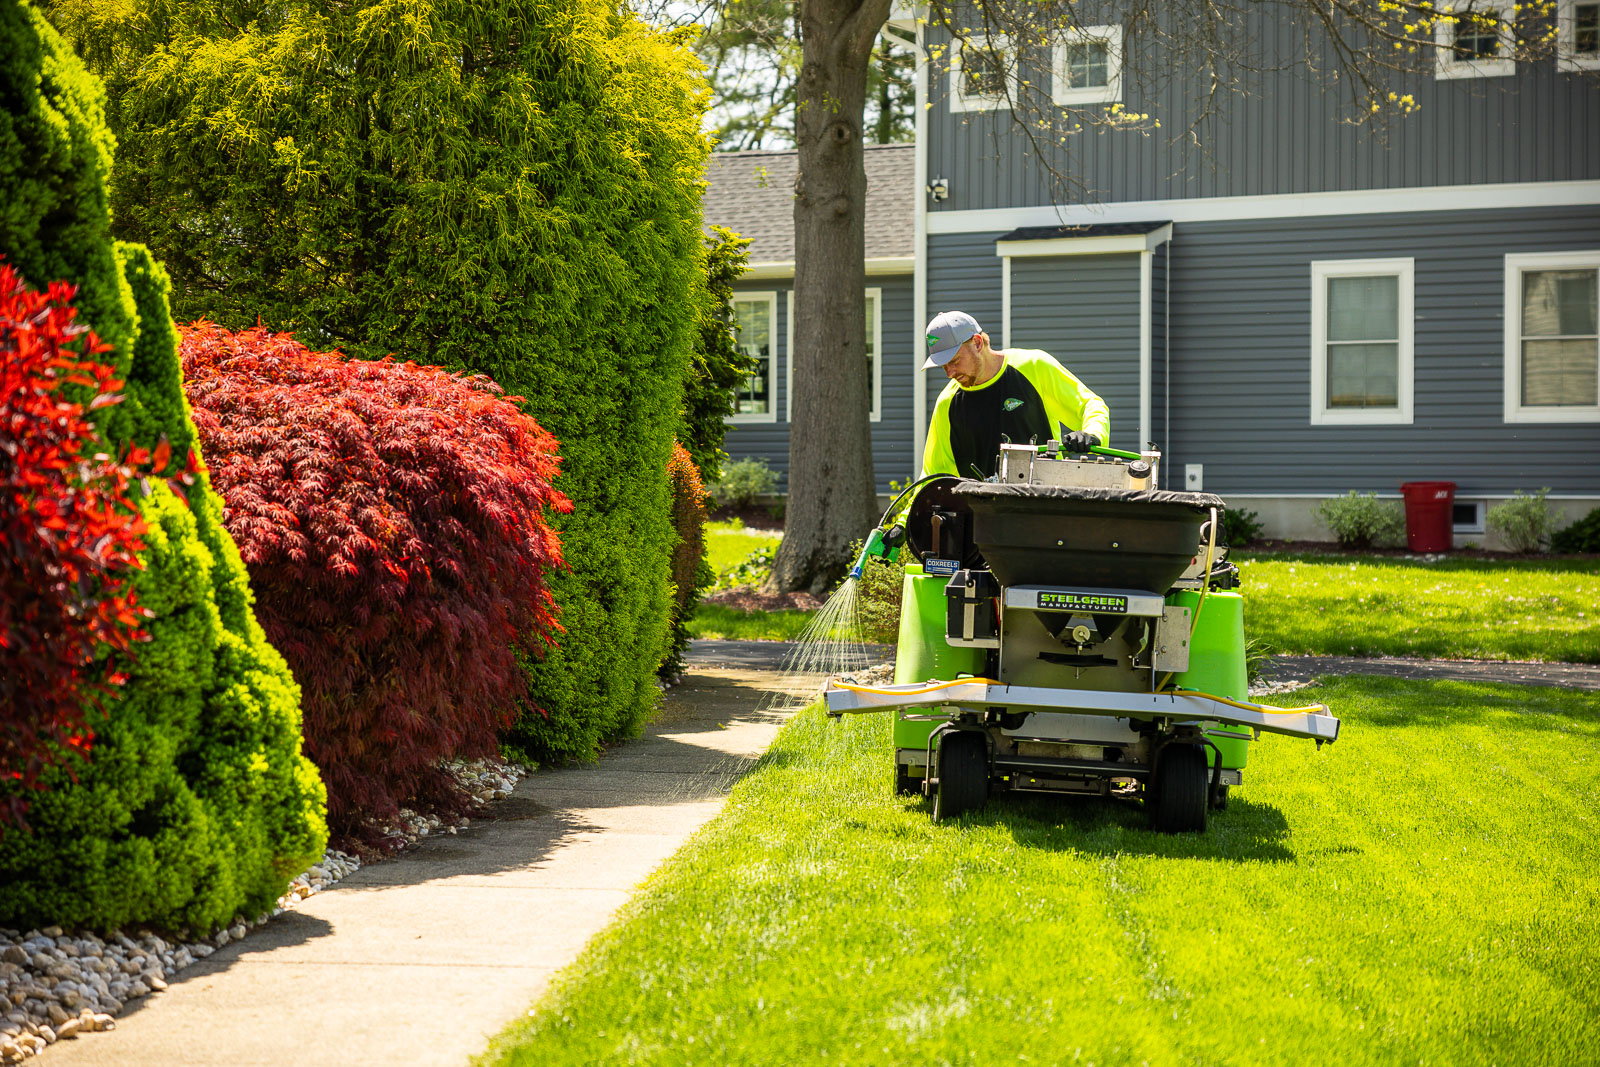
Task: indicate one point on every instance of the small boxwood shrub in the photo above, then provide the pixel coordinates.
(878, 601)
(743, 482)
(1523, 522)
(393, 521)
(1581, 536)
(1240, 527)
(196, 804)
(691, 572)
(1361, 520)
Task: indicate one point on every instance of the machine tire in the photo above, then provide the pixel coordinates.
(963, 775)
(1180, 790)
(906, 785)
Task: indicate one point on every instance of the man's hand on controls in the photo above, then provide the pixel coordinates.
(1079, 441)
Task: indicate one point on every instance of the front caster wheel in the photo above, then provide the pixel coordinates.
(963, 775)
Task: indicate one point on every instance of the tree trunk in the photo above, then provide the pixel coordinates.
(831, 494)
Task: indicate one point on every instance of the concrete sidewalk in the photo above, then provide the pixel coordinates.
(423, 958)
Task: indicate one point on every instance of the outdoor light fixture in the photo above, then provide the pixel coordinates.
(939, 189)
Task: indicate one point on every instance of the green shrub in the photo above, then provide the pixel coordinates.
(196, 804)
(1581, 536)
(541, 226)
(878, 600)
(1240, 527)
(1523, 522)
(743, 482)
(1361, 520)
(718, 366)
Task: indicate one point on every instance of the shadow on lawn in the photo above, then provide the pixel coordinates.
(1245, 833)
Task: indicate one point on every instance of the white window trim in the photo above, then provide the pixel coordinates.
(959, 100)
(1448, 66)
(877, 365)
(1321, 271)
(1516, 263)
(1111, 91)
(1566, 34)
(771, 414)
(1476, 526)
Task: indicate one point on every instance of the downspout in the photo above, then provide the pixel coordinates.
(1166, 356)
(1146, 335)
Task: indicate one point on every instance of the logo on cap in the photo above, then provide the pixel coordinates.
(933, 339)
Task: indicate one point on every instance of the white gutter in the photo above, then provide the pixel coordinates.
(876, 266)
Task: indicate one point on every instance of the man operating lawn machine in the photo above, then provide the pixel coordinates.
(1068, 628)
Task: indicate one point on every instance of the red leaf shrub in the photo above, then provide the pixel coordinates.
(69, 537)
(392, 518)
(690, 571)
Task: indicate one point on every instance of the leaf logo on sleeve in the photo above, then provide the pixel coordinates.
(1012, 404)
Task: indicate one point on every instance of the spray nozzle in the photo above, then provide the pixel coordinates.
(884, 542)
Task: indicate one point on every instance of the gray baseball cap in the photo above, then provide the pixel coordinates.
(948, 331)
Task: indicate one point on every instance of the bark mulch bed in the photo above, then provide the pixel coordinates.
(748, 598)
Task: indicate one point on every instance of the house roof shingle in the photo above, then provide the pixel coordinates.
(752, 193)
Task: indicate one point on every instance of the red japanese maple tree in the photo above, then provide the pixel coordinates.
(69, 538)
(393, 521)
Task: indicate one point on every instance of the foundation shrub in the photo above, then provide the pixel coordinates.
(1581, 536)
(542, 226)
(1361, 520)
(1523, 522)
(878, 600)
(691, 571)
(70, 524)
(394, 522)
(1240, 527)
(196, 804)
(743, 482)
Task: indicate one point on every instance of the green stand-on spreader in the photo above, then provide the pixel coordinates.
(1069, 628)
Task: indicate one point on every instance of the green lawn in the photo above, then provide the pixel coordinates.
(719, 621)
(729, 544)
(1469, 609)
(1424, 890)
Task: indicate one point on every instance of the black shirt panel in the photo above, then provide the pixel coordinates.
(1009, 407)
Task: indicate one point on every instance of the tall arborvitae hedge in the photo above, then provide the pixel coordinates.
(505, 186)
(196, 803)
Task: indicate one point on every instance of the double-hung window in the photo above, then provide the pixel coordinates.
(1086, 66)
(1552, 337)
(755, 317)
(1361, 341)
(979, 69)
(873, 366)
(1578, 35)
(1474, 42)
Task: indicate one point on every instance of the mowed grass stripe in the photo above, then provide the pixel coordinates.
(1421, 891)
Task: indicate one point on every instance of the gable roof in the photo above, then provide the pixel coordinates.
(752, 193)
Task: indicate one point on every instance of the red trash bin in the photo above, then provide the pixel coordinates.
(1429, 513)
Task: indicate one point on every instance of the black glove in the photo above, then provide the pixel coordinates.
(1079, 441)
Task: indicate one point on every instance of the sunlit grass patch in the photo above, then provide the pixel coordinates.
(730, 543)
(1423, 889)
(1469, 609)
(720, 621)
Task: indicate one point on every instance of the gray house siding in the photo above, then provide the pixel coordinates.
(1284, 136)
(1241, 365)
(1234, 305)
(891, 435)
(1084, 310)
